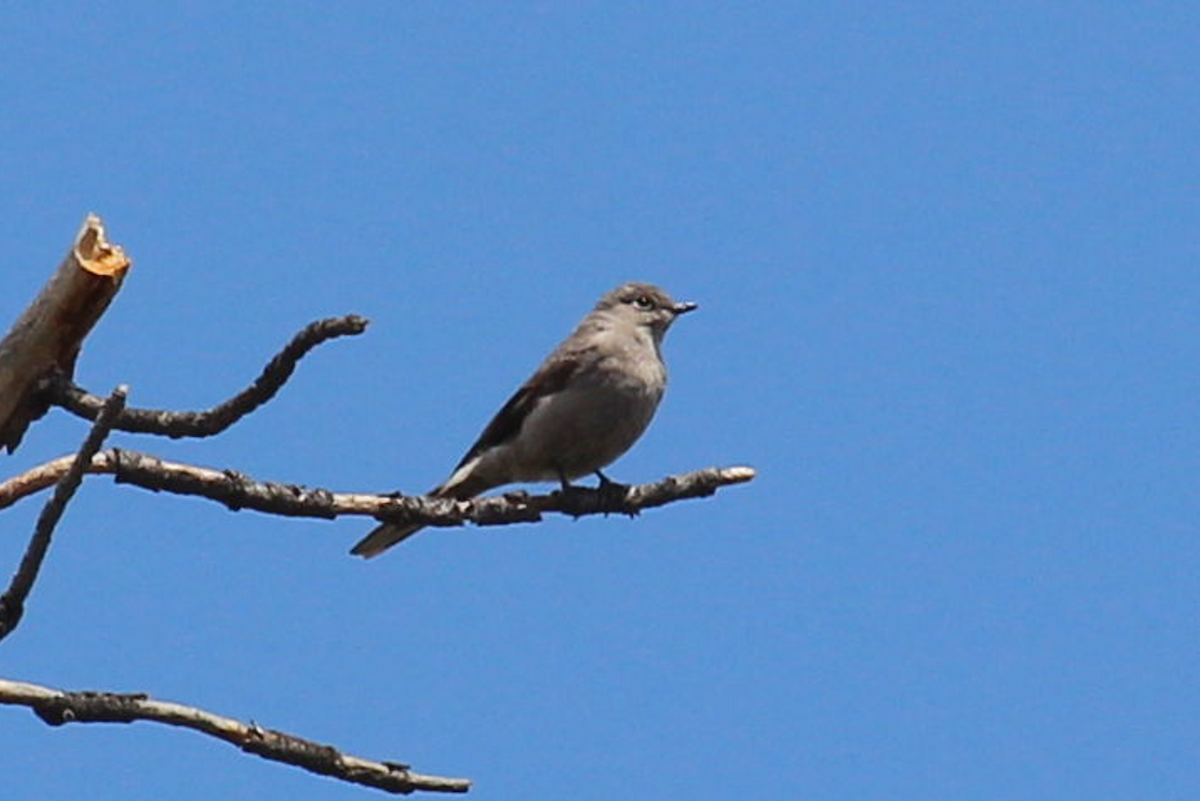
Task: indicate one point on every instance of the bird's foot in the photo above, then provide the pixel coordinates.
(613, 494)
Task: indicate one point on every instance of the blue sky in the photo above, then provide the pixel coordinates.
(946, 258)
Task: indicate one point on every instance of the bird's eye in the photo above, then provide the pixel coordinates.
(644, 302)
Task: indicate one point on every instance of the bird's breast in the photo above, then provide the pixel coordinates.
(588, 425)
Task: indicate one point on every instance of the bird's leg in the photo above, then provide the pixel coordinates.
(607, 483)
(562, 479)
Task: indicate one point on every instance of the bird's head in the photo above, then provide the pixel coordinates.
(643, 305)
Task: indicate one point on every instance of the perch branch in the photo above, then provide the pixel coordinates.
(56, 707)
(12, 602)
(238, 491)
(61, 391)
(47, 337)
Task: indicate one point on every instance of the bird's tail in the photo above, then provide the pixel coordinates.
(386, 535)
(383, 537)
(465, 483)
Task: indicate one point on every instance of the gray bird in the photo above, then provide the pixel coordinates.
(585, 406)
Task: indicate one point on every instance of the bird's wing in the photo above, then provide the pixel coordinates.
(554, 374)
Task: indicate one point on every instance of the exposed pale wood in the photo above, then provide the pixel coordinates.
(48, 335)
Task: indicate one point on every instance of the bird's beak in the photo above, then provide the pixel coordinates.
(684, 308)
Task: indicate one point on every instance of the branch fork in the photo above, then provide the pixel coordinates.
(37, 359)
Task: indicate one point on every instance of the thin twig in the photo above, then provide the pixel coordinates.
(238, 491)
(12, 603)
(57, 707)
(61, 391)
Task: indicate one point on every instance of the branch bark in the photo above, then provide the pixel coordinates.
(37, 359)
(12, 602)
(238, 491)
(48, 335)
(61, 391)
(57, 707)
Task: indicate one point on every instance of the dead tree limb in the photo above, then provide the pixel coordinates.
(37, 359)
(47, 337)
(12, 602)
(57, 707)
(61, 391)
(238, 491)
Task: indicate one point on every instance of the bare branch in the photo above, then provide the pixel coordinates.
(12, 602)
(57, 707)
(48, 335)
(238, 491)
(63, 392)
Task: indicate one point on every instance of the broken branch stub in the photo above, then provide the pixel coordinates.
(48, 335)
